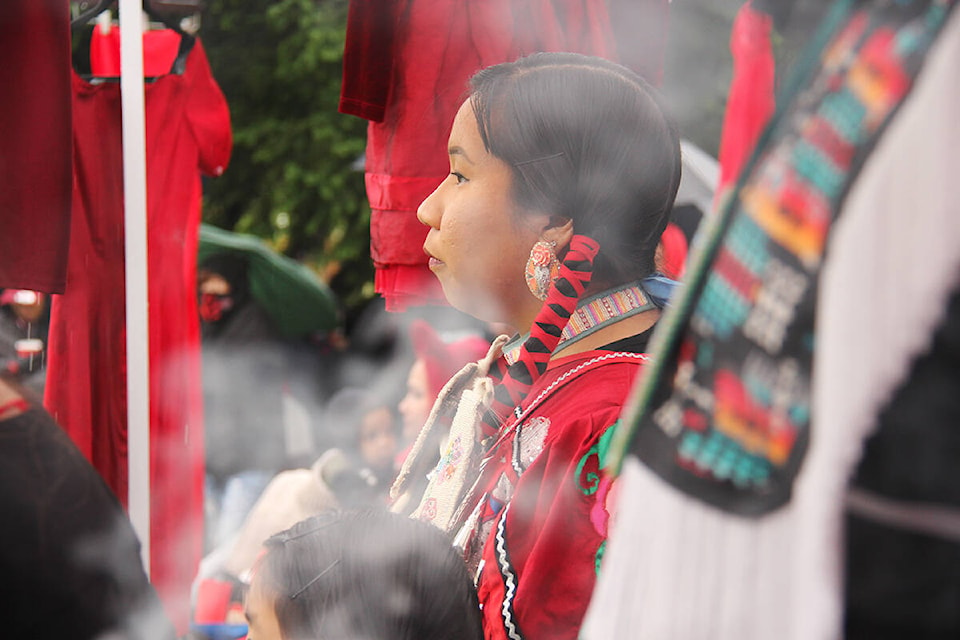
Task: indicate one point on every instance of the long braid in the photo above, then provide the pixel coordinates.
(576, 271)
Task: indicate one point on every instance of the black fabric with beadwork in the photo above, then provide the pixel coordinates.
(725, 408)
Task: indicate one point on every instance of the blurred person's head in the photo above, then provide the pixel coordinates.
(362, 576)
(363, 425)
(552, 145)
(415, 405)
(437, 361)
(222, 286)
(378, 437)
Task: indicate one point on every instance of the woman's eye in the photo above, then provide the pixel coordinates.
(459, 177)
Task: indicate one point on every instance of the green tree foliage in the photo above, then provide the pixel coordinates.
(293, 177)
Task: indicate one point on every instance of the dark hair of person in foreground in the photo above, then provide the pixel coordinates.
(362, 575)
(70, 562)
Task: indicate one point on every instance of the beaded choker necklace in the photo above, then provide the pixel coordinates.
(592, 314)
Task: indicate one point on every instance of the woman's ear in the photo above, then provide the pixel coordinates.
(559, 230)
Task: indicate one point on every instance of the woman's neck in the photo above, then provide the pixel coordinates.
(625, 328)
(601, 318)
(525, 315)
(523, 319)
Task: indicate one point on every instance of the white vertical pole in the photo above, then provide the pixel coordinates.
(135, 247)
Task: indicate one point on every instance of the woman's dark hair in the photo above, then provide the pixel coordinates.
(587, 140)
(369, 575)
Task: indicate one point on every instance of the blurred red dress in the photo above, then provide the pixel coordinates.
(187, 131)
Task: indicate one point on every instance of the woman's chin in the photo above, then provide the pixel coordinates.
(472, 302)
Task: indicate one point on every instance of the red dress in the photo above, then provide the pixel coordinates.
(545, 514)
(187, 131)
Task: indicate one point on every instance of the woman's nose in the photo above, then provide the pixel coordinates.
(429, 211)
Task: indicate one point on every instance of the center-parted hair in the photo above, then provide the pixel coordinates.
(586, 139)
(369, 575)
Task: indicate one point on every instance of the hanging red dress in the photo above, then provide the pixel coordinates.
(187, 131)
(34, 144)
(406, 67)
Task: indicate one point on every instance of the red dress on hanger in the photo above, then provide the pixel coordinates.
(187, 131)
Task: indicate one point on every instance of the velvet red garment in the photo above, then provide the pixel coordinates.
(750, 103)
(368, 59)
(406, 67)
(187, 131)
(35, 179)
(545, 506)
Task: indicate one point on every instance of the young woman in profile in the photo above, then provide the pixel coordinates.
(563, 172)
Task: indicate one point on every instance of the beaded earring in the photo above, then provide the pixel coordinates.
(542, 268)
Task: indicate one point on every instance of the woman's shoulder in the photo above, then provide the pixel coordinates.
(588, 388)
(600, 368)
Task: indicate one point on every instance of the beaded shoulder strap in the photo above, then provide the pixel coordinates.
(576, 271)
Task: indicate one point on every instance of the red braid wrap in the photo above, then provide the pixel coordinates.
(576, 271)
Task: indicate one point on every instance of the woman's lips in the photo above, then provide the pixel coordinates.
(432, 262)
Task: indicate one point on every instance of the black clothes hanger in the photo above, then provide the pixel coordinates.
(164, 11)
(90, 9)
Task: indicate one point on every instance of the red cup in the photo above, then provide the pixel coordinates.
(213, 601)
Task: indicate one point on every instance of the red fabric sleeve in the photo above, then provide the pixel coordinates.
(750, 103)
(208, 115)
